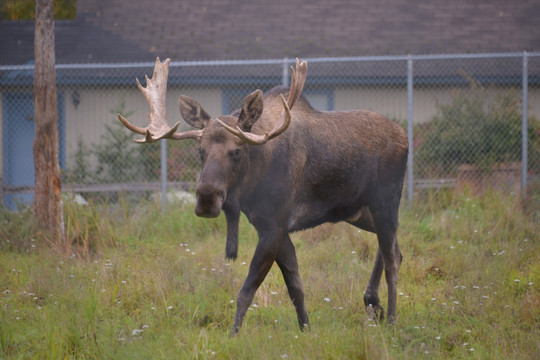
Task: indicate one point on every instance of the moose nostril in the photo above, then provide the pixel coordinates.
(209, 201)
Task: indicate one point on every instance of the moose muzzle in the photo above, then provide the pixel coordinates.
(209, 201)
(211, 190)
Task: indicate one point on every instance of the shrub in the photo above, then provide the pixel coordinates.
(476, 127)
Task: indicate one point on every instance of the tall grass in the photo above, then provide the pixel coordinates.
(146, 284)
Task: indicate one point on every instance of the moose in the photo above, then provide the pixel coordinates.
(289, 167)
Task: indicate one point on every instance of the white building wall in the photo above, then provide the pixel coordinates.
(98, 107)
(392, 102)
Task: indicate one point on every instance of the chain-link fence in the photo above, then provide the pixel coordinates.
(473, 119)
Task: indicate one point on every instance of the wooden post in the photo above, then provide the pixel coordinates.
(48, 184)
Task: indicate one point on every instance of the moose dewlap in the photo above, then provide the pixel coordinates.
(289, 167)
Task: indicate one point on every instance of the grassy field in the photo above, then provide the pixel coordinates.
(149, 285)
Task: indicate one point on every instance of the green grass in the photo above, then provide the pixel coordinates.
(141, 284)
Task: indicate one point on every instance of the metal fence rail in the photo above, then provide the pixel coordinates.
(472, 119)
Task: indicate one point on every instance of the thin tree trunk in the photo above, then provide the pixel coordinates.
(48, 186)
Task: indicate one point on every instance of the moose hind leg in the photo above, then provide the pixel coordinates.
(371, 296)
(287, 262)
(387, 223)
(364, 220)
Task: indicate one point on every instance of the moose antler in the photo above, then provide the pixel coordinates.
(155, 93)
(298, 79)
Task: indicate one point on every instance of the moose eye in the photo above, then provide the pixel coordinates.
(235, 154)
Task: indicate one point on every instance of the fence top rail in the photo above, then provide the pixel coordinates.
(282, 61)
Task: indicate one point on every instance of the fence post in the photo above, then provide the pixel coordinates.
(163, 145)
(524, 138)
(285, 72)
(410, 179)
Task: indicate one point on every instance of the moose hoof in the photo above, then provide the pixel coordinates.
(373, 307)
(234, 331)
(375, 312)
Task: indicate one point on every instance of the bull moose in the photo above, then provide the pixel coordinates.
(289, 167)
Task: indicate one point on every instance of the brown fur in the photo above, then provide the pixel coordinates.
(326, 167)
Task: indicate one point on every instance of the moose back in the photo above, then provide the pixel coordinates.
(289, 167)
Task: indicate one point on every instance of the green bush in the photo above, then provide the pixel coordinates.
(476, 127)
(119, 159)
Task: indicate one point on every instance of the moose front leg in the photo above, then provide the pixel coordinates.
(265, 254)
(287, 262)
(232, 213)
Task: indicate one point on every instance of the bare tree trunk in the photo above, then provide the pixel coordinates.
(48, 186)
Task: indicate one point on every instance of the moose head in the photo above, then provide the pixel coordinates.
(223, 140)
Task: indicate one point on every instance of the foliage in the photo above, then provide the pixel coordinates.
(25, 9)
(80, 172)
(118, 158)
(156, 285)
(475, 128)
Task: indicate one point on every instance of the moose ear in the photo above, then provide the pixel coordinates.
(192, 112)
(252, 109)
